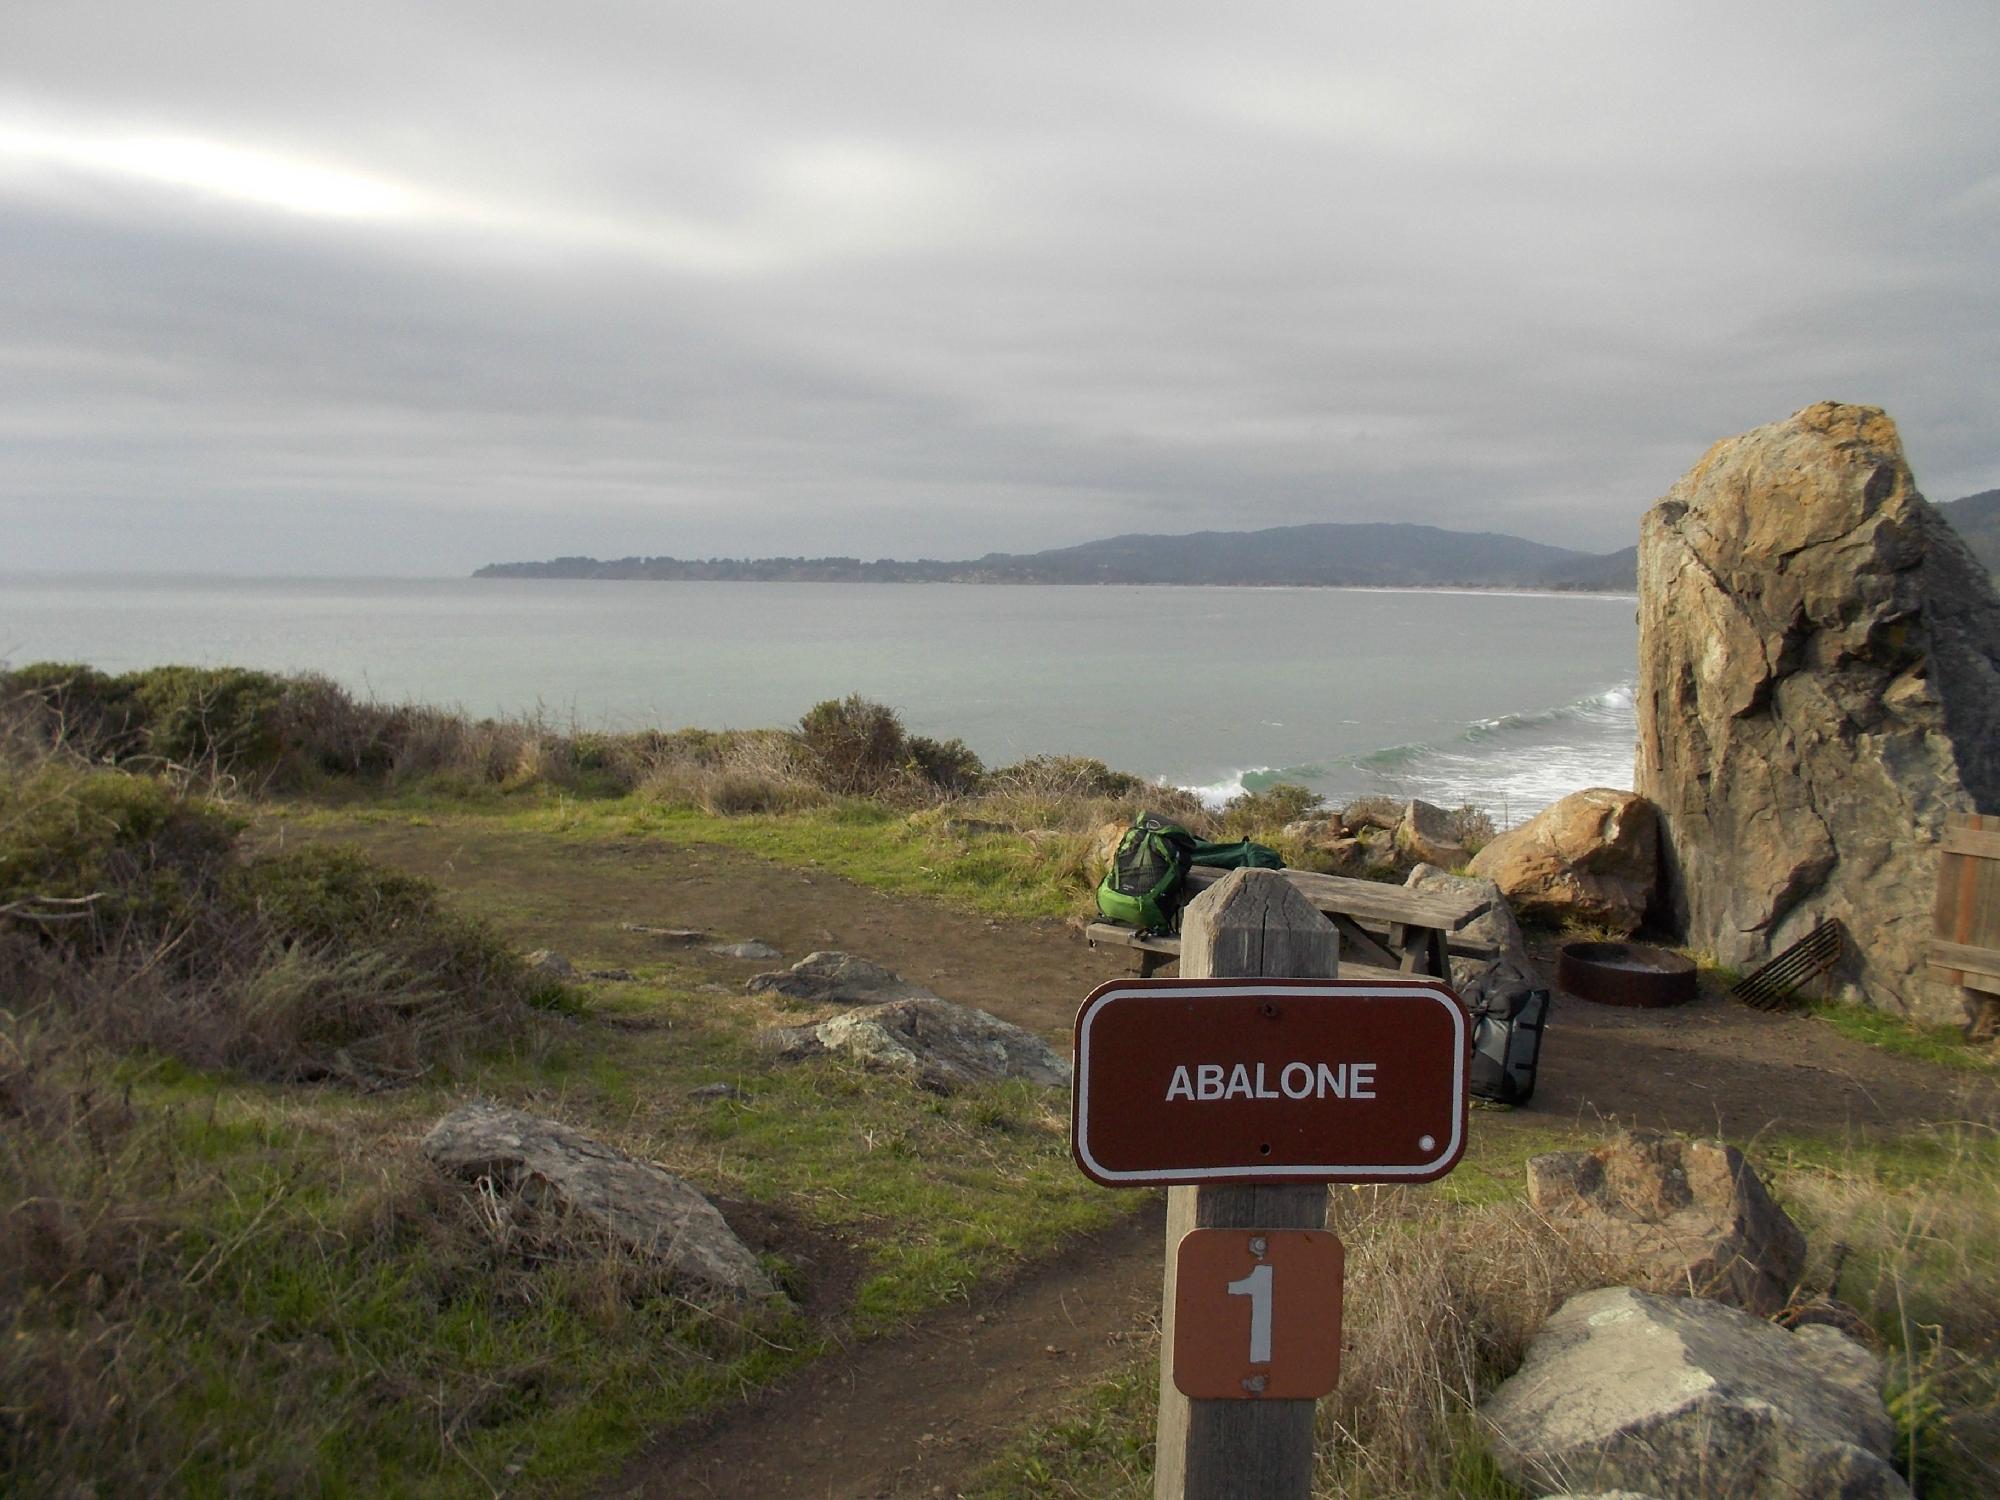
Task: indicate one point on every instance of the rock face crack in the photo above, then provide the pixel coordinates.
(1819, 686)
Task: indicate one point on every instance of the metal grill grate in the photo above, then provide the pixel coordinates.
(1773, 986)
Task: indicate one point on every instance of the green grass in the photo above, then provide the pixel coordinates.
(1101, 1448)
(245, 1283)
(1946, 1046)
(997, 874)
(318, 1310)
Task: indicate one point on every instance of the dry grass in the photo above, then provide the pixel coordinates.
(1441, 1304)
(1908, 1234)
(731, 774)
(195, 1300)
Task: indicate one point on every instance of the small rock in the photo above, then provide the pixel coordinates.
(621, 975)
(1666, 1395)
(1693, 1213)
(549, 964)
(709, 1092)
(640, 1205)
(1316, 832)
(665, 934)
(836, 979)
(942, 1045)
(1383, 813)
(974, 827)
(750, 950)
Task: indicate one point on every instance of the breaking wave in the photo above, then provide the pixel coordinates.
(1511, 766)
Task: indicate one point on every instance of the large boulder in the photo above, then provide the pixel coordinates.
(1694, 1214)
(941, 1045)
(1592, 857)
(1427, 834)
(836, 979)
(1484, 983)
(1373, 812)
(1671, 1397)
(638, 1205)
(1819, 686)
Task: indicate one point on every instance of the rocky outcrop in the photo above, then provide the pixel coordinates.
(1672, 1397)
(1484, 983)
(1694, 1214)
(1427, 834)
(1373, 812)
(1318, 831)
(836, 979)
(1592, 857)
(941, 1045)
(1819, 685)
(636, 1204)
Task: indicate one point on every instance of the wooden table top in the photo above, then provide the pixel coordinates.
(1371, 900)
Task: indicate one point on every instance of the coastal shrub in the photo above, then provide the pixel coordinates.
(853, 746)
(90, 855)
(1472, 827)
(66, 708)
(1066, 776)
(213, 719)
(730, 773)
(948, 765)
(129, 915)
(1261, 813)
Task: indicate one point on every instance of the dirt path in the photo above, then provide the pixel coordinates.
(915, 1414)
(908, 1416)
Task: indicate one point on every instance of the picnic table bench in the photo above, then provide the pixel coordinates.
(1384, 929)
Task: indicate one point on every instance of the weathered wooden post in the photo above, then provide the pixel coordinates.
(1255, 922)
(1245, 1086)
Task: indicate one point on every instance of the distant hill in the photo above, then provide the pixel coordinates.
(1977, 519)
(1364, 555)
(1381, 555)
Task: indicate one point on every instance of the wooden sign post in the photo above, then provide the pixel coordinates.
(1245, 1086)
(1254, 922)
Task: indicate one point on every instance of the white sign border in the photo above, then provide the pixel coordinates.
(1321, 989)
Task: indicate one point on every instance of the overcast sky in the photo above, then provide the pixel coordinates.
(384, 286)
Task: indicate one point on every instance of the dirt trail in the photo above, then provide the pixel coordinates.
(913, 1415)
(910, 1415)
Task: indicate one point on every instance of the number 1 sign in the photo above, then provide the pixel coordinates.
(1257, 1314)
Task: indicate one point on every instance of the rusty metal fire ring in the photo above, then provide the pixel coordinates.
(1625, 974)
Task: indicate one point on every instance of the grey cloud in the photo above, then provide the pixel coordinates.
(902, 279)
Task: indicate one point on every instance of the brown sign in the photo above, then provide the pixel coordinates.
(1269, 1080)
(1257, 1314)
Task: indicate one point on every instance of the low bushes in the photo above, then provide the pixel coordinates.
(226, 727)
(129, 917)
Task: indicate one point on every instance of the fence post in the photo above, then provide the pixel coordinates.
(1254, 922)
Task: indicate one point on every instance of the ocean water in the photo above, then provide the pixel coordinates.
(1503, 700)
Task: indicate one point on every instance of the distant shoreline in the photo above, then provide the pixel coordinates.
(490, 573)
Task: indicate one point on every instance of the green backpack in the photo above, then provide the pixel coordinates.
(1146, 883)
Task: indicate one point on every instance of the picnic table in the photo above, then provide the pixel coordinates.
(1384, 929)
